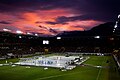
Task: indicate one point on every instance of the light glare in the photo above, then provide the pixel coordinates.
(97, 37)
(36, 34)
(6, 29)
(20, 36)
(19, 32)
(45, 42)
(119, 16)
(58, 37)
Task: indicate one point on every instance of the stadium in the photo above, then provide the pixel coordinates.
(55, 58)
(47, 40)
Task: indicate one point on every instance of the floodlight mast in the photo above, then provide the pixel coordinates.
(117, 26)
(116, 33)
(119, 16)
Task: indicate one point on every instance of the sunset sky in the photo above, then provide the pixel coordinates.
(51, 17)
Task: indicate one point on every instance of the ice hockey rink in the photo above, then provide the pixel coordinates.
(51, 61)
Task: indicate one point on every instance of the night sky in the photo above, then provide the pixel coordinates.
(51, 17)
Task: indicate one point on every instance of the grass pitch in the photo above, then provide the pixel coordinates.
(87, 72)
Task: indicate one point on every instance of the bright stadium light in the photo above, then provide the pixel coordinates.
(19, 32)
(6, 29)
(28, 33)
(97, 37)
(20, 36)
(119, 16)
(115, 26)
(45, 42)
(36, 34)
(58, 37)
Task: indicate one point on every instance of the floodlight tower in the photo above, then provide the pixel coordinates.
(116, 34)
(116, 41)
(116, 29)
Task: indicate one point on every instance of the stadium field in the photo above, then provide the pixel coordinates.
(95, 68)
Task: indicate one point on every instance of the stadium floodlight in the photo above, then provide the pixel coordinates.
(115, 25)
(119, 16)
(28, 33)
(58, 37)
(45, 42)
(6, 29)
(36, 34)
(20, 36)
(97, 37)
(19, 32)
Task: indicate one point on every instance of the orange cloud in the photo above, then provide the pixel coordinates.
(29, 18)
(86, 24)
(27, 21)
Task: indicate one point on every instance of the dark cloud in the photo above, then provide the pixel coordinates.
(84, 27)
(24, 5)
(60, 20)
(104, 10)
(49, 29)
(43, 27)
(38, 22)
(53, 31)
(52, 23)
(64, 19)
(12, 28)
(4, 22)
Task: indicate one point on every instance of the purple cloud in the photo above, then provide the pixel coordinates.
(97, 9)
(4, 22)
(53, 31)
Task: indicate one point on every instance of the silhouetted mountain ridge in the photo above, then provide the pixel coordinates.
(105, 29)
